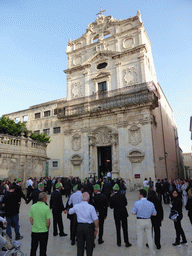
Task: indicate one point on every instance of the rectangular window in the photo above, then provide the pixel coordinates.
(17, 120)
(55, 164)
(57, 111)
(37, 115)
(47, 113)
(56, 130)
(37, 132)
(25, 118)
(46, 131)
(102, 86)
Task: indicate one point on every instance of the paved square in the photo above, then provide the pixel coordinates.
(62, 245)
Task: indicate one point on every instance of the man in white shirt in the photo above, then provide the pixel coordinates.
(74, 199)
(146, 185)
(87, 225)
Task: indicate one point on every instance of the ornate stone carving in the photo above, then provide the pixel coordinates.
(76, 90)
(76, 142)
(68, 132)
(103, 137)
(130, 76)
(134, 135)
(76, 160)
(136, 156)
(77, 60)
(128, 43)
(146, 120)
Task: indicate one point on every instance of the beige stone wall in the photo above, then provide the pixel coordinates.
(21, 158)
(165, 140)
(187, 158)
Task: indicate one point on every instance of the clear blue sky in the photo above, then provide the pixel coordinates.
(34, 35)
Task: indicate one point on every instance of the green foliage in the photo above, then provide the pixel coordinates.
(40, 137)
(8, 126)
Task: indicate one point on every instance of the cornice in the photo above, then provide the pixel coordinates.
(130, 51)
(77, 68)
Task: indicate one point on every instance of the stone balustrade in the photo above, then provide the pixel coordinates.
(106, 100)
(21, 157)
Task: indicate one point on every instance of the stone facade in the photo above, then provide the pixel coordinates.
(21, 157)
(116, 115)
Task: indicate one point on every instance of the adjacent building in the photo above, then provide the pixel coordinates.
(115, 116)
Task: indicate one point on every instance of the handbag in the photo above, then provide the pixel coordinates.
(174, 215)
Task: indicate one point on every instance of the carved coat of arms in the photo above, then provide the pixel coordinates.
(134, 135)
(76, 142)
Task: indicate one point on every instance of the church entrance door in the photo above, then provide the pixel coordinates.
(104, 160)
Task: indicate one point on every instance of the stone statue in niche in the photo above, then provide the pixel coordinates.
(76, 90)
(134, 135)
(76, 142)
(130, 76)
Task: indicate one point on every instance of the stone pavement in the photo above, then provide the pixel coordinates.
(62, 245)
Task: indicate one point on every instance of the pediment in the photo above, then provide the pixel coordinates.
(101, 75)
(100, 55)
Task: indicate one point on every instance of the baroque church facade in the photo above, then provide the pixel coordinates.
(115, 116)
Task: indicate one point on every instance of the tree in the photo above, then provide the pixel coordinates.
(8, 126)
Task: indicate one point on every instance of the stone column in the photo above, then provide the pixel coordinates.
(91, 156)
(118, 74)
(115, 164)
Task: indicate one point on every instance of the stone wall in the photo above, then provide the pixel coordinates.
(21, 157)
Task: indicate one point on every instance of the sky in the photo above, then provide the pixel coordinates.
(34, 36)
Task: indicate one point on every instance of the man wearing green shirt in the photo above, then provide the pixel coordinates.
(40, 215)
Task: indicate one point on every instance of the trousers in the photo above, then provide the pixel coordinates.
(179, 232)
(85, 232)
(37, 238)
(57, 220)
(118, 229)
(144, 227)
(13, 222)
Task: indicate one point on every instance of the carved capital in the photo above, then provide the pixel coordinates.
(146, 120)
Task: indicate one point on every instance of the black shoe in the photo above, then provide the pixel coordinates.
(128, 245)
(147, 245)
(55, 234)
(64, 234)
(119, 245)
(158, 247)
(19, 238)
(176, 244)
(100, 242)
(73, 243)
(184, 243)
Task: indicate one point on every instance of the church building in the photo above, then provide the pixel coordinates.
(115, 116)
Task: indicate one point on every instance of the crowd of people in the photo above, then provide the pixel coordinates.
(87, 208)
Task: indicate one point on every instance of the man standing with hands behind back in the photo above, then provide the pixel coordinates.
(144, 209)
(40, 215)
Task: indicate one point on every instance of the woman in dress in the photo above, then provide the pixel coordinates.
(156, 220)
(176, 205)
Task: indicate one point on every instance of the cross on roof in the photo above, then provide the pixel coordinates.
(100, 13)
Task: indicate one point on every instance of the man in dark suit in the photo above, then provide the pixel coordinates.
(56, 204)
(100, 204)
(118, 202)
(35, 194)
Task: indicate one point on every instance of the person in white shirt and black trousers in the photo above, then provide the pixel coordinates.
(87, 226)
